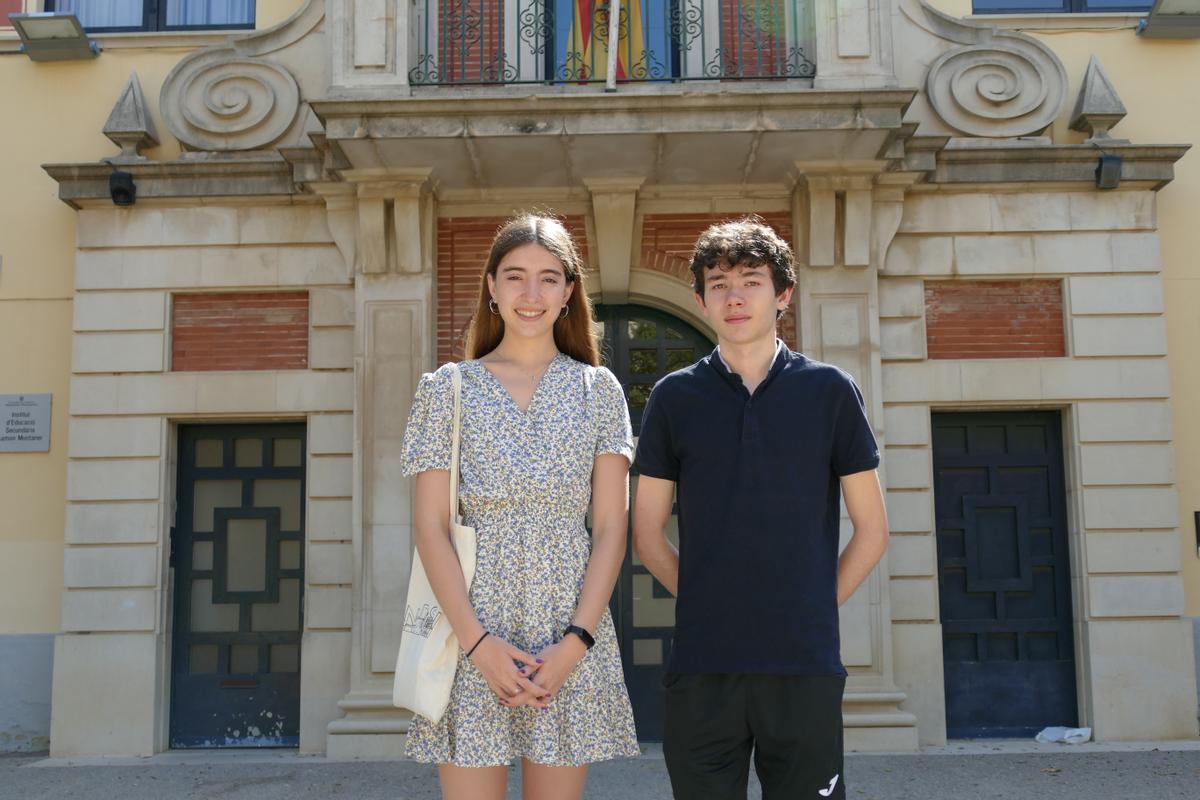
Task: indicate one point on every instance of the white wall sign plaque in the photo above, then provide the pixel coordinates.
(25, 423)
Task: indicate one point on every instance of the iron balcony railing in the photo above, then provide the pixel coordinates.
(462, 42)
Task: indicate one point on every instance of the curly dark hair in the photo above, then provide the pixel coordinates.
(747, 241)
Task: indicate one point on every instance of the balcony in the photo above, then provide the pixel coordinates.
(566, 42)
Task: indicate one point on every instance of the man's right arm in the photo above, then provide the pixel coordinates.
(651, 511)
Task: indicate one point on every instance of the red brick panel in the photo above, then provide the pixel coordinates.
(471, 33)
(462, 247)
(668, 240)
(994, 319)
(9, 7)
(753, 44)
(239, 331)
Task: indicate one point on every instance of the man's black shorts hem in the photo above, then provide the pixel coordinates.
(791, 723)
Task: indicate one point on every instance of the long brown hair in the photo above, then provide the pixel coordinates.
(574, 334)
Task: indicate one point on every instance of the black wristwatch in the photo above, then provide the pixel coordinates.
(583, 635)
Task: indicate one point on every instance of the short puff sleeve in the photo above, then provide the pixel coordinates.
(613, 431)
(430, 422)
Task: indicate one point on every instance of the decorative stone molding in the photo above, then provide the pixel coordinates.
(395, 221)
(1098, 106)
(846, 225)
(854, 44)
(613, 203)
(369, 44)
(341, 210)
(232, 103)
(130, 125)
(996, 83)
(246, 93)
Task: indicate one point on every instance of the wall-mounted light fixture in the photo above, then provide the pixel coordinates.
(53, 37)
(1172, 19)
(1108, 172)
(121, 188)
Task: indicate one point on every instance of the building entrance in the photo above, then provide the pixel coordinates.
(238, 553)
(1003, 573)
(641, 346)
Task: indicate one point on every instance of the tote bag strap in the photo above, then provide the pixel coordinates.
(456, 380)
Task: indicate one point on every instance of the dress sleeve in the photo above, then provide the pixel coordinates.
(613, 432)
(427, 435)
(855, 449)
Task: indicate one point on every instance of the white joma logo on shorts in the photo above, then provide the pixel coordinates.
(832, 783)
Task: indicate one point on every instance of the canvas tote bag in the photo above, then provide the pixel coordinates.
(428, 653)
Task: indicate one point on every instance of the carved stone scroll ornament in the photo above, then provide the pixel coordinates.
(997, 84)
(243, 94)
(233, 103)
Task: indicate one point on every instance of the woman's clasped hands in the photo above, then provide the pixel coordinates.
(520, 679)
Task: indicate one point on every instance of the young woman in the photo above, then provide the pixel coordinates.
(545, 430)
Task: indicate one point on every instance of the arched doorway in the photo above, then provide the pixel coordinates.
(641, 346)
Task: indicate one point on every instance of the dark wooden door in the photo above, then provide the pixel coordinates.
(238, 553)
(1003, 573)
(640, 347)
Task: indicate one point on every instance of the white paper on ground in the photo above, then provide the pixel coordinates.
(1064, 735)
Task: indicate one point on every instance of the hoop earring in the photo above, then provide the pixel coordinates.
(495, 309)
(565, 310)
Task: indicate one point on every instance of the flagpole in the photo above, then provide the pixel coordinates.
(614, 33)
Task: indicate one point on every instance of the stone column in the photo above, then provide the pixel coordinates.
(845, 220)
(394, 344)
(854, 44)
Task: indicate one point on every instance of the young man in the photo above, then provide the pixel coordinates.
(760, 442)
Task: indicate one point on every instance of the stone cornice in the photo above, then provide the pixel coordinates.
(1150, 166)
(933, 160)
(520, 100)
(257, 175)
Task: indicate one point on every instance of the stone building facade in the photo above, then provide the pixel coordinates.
(248, 335)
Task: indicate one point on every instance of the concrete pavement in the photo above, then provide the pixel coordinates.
(961, 771)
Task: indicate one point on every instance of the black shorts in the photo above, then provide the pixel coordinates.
(793, 725)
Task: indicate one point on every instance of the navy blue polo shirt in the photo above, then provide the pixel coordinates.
(759, 502)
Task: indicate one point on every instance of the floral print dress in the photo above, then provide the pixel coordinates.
(525, 487)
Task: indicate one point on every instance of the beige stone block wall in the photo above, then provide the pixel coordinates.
(121, 311)
(1149, 421)
(918, 647)
(1114, 388)
(1119, 336)
(111, 567)
(115, 437)
(38, 250)
(121, 471)
(324, 681)
(1160, 703)
(1133, 551)
(113, 523)
(110, 711)
(329, 519)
